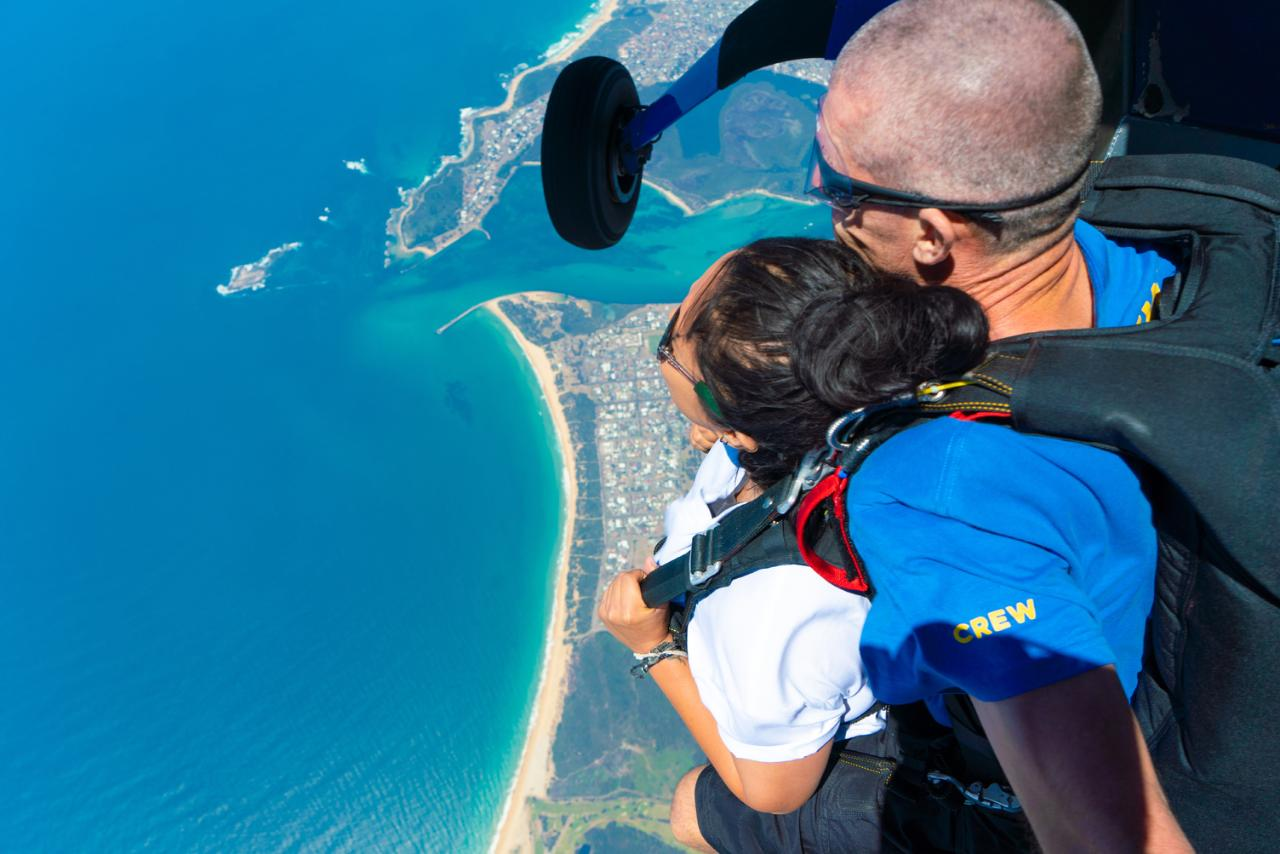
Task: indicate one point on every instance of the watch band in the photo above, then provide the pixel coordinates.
(646, 660)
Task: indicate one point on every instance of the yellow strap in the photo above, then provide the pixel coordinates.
(937, 389)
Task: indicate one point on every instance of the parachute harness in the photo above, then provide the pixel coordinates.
(817, 491)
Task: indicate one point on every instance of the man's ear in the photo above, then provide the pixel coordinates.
(741, 441)
(841, 220)
(936, 236)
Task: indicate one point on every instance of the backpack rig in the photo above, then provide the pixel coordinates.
(1192, 398)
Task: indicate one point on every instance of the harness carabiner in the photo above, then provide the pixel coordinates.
(841, 431)
(992, 797)
(804, 478)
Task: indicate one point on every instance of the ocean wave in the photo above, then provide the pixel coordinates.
(568, 38)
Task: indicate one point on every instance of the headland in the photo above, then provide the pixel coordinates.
(766, 127)
(509, 138)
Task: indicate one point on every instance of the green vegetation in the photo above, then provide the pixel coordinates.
(622, 825)
(759, 139)
(436, 204)
(627, 839)
(570, 317)
(626, 738)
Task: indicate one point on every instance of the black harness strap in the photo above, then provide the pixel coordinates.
(774, 546)
(711, 548)
(987, 389)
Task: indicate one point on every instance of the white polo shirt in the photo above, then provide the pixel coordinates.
(775, 653)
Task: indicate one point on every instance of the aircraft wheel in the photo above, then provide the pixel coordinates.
(590, 198)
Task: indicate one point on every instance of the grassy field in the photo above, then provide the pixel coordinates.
(566, 826)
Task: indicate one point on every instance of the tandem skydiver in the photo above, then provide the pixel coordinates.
(1013, 579)
(765, 671)
(1017, 569)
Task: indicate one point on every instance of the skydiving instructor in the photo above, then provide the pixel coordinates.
(1015, 569)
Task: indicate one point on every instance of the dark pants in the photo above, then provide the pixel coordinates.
(842, 816)
(872, 798)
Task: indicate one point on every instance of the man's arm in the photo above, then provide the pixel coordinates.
(1076, 758)
(775, 787)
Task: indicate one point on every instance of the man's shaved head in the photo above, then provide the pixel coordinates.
(971, 101)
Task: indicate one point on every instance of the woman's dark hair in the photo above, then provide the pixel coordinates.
(794, 332)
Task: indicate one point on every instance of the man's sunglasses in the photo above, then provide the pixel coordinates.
(825, 182)
(700, 387)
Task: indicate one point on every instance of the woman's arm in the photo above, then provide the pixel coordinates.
(775, 787)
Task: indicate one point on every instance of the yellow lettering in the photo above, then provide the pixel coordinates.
(994, 621)
(1146, 313)
(999, 622)
(1023, 611)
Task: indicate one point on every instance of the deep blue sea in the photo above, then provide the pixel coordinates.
(274, 569)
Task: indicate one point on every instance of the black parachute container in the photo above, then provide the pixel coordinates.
(1195, 394)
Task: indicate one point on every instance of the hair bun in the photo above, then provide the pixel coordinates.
(855, 347)
(958, 325)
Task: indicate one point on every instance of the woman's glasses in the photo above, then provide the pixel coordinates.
(700, 387)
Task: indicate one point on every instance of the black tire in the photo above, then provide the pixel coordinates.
(590, 199)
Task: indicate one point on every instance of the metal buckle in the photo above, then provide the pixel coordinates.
(804, 479)
(700, 569)
(992, 797)
(930, 391)
(698, 576)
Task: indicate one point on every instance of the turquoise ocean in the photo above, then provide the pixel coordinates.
(275, 569)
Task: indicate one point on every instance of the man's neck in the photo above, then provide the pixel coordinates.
(1045, 291)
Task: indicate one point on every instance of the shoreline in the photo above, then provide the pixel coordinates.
(678, 202)
(601, 13)
(559, 52)
(534, 770)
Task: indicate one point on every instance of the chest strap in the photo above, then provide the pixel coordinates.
(712, 548)
(985, 390)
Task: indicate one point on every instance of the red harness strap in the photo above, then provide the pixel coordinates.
(831, 488)
(978, 416)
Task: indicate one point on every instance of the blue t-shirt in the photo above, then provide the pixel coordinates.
(1004, 562)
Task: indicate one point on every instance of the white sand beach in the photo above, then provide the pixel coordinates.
(535, 771)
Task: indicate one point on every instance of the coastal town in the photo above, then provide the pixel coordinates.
(630, 443)
(640, 442)
(626, 448)
(657, 41)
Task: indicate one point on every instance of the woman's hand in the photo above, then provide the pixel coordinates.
(623, 612)
(701, 438)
